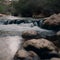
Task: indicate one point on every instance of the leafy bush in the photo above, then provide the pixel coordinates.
(30, 7)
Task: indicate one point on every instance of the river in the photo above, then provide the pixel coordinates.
(11, 29)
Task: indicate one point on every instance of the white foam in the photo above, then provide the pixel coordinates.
(9, 46)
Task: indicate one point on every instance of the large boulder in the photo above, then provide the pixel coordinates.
(39, 33)
(52, 22)
(42, 47)
(31, 34)
(24, 55)
(40, 43)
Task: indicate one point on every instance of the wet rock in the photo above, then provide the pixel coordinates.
(37, 33)
(24, 55)
(44, 48)
(57, 41)
(30, 34)
(26, 24)
(52, 22)
(34, 55)
(58, 35)
(55, 58)
(40, 43)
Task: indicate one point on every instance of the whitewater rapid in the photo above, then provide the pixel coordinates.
(10, 35)
(9, 46)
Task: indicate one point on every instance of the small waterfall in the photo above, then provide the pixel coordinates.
(11, 31)
(35, 22)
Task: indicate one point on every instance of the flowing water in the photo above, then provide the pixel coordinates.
(8, 47)
(10, 34)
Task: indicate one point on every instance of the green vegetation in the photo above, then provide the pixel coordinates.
(1, 9)
(30, 7)
(27, 8)
(1, 6)
(4, 8)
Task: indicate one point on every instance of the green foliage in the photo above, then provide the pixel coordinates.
(1, 9)
(4, 8)
(28, 7)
